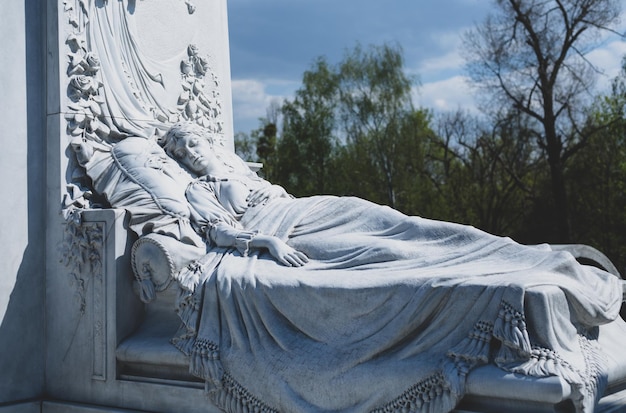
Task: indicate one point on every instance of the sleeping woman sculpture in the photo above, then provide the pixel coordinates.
(336, 304)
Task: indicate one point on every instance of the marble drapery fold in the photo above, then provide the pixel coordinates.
(390, 315)
(133, 83)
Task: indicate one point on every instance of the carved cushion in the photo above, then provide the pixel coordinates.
(137, 175)
(156, 258)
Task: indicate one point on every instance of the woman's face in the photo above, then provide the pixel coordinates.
(196, 153)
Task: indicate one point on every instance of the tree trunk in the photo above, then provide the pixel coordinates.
(559, 193)
(561, 211)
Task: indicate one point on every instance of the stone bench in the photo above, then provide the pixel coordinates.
(148, 355)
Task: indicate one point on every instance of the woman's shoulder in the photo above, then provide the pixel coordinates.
(202, 184)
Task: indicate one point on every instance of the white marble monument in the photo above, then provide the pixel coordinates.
(127, 213)
(22, 236)
(74, 71)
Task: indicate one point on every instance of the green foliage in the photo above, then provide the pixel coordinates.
(597, 178)
(530, 56)
(375, 108)
(352, 129)
(266, 142)
(265, 138)
(484, 176)
(308, 139)
(245, 146)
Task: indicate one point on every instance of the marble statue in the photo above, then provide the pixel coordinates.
(312, 304)
(115, 89)
(331, 303)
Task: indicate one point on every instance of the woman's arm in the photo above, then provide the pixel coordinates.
(224, 235)
(266, 193)
(283, 253)
(220, 228)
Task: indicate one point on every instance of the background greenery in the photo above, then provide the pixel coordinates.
(544, 160)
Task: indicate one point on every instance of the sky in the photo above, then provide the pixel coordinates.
(273, 42)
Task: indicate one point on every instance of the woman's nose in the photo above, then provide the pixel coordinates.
(191, 153)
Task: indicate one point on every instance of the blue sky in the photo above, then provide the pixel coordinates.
(272, 43)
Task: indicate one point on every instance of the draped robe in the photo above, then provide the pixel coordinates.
(389, 315)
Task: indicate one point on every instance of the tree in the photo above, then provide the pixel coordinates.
(531, 56)
(375, 100)
(308, 133)
(352, 130)
(357, 170)
(598, 177)
(485, 174)
(245, 146)
(265, 136)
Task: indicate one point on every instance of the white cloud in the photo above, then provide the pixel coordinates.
(446, 95)
(443, 87)
(450, 61)
(608, 59)
(448, 40)
(251, 98)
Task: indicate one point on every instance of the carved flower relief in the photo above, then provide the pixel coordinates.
(192, 50)
(72, 18)
(75, 43)
(83, 86)
(81, 246)
(196, 64)
(186, 67)
(82, 119)
(89, 64)
(202, 66)
(83, 91)
(81, 254)
(194, 103)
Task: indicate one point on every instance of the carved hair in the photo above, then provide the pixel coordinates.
(179, 130)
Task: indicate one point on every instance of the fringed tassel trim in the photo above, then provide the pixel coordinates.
(188, 310)
(232, 397)
(510, 329)
(595, 362)
(224, 391)
(587, 386)
(429, 396)
(205, 361)
(589, 390)
(473, 349)
(542, 363)
(188, 277)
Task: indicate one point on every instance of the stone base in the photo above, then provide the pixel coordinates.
(63, 407)
(25, 407)
(614, 403)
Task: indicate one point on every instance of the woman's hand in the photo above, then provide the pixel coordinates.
(286, 255)
(265, 194)
(283, 253)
